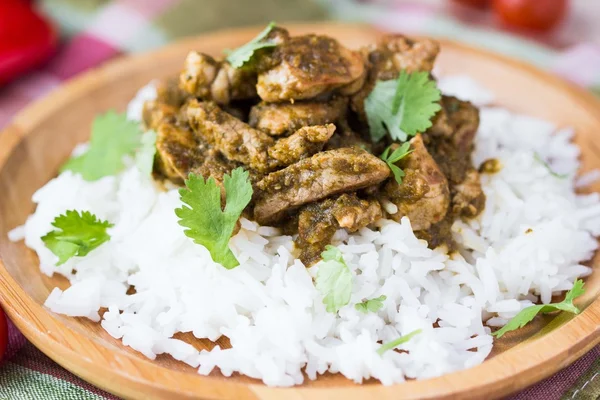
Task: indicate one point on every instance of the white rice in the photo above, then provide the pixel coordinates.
(529, 243)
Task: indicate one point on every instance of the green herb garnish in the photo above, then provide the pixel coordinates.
(539, 159)
(113, 137)
(403, 106)
(240, 56)
(208, 224)
(372, 305)
(397, 342)
(528, 314)
(76, 235)
(144, 158)
(396, 156)
(334, 279)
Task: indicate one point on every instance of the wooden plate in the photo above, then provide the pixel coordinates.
(41, 138)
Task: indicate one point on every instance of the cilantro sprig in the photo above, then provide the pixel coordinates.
(528, 314)
(397, 342)
(207, 223)
(392, 159)
(371, 305)
(76, 235)
(334, 279)
(539, 159)
(243, 54)
(402, 107)
(113, 137)
(144, 158)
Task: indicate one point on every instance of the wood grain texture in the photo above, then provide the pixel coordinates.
(40, 139)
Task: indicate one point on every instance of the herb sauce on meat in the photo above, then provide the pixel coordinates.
(294, 117)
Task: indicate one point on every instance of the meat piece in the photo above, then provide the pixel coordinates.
(391, 55)
(165, 107)
(423, 196)
(468, 199)
(232, 137)
(278, 35)
(345, 136)
(352, 213)
(395, 53)
(315, 178)
(209, 79)
(169, 92)
(199, 72)
(303, 143)
(284, 118)
(177, 152)
(307, 66)
(453, 163)
(318, 222)
(216, 166)
(457, 120)
(154, 113)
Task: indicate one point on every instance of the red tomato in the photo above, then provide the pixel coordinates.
(531, 14)
(26, 39)
(3, 333)
(474, 3)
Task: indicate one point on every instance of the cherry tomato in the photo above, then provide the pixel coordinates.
(531, 14)
(3, 333)
(26, 39)
(474, 3)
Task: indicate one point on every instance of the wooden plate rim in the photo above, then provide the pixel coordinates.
(499, 376)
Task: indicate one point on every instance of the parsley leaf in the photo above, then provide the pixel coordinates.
(77, 235)
(372, 305)
(113, 137)
(396, 156)
(403, 106)
(397, 342)
(243, 54)
(539, 159)
(208, 224)
(334, 279)
(144, 158)
(528, 314)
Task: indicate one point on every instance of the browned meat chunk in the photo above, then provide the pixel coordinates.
(209, 79)
(393, 54)
(468, 199)
(457, 120)
(348, 139)
(423, 196)
(155, 112)
(318, 222)
(165, 107)
(303, 143)
(177, 152)
(215, 166)
(315, 178)
(169, 92)
(232, 137)
(345, 136)
(305, 67)
(284, 118)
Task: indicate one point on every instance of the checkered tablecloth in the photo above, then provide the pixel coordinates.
(95, 31)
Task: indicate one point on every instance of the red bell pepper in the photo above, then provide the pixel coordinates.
(26, 39)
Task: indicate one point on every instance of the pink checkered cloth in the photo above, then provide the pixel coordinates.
(99, 30)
